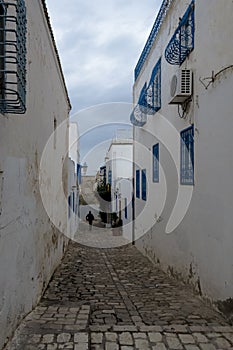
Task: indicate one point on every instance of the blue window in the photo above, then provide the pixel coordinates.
(156, 163)
(79, 173)
(144, 184)
(13, 56)
(154, 90)
(138, 183)
(187, 156)
(182, 41)
(110, 177)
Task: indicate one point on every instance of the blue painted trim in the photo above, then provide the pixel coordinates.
(153, 92)
(13, 67)
(153, 35)
(137, 183)
(156, 163)
(182, 41)
(144, 192)
(187, 156)
(110, 177)
(139, 115)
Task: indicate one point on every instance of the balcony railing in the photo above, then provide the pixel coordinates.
(182, 41)
(153, 92)
(152, 37)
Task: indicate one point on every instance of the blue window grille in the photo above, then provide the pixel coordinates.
(153, 92)
(187, 156)
(144, 185)
(153, 35)
(156, 163)
(137, 183)
(13, 25)
(110, 177)
(182, 41)
(139, 115)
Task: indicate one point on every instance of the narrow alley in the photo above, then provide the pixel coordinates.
(117, 299)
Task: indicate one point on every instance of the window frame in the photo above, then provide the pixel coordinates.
(144, 184)
(155, 165)
(138, 184)
(153, 91)
(187, 156)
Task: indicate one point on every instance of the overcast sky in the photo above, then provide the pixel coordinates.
(99, 43)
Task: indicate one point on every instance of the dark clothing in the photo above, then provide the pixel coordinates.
(90, 218)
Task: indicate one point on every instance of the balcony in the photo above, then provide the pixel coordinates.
(182, 41)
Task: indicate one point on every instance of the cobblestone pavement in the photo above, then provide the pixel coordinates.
(99, 237)
(115, 299)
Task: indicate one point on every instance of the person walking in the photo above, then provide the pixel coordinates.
(90, 218)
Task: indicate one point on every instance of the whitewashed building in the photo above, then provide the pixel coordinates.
(74, 179)
(183, 159)
(33, 103)
(119, 176)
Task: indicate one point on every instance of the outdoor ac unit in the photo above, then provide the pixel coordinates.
(181, 86)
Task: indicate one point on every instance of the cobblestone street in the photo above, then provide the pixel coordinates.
(117, 299)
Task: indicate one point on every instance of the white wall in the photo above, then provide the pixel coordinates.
(200, 249)
(30, 245)
(120, 157)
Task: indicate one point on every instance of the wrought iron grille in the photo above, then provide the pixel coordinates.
(152, 37)
(156, 163)
(182, 41)
(13, 56)
(153, 92)
(187, 156)
(139, 115)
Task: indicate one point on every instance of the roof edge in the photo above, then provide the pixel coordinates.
(43, 2)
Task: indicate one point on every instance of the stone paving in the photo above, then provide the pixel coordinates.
(116, 299)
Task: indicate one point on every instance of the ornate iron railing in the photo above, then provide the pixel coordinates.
(13, 56)
(182, 41)
(139, 115)
(153, 92)
(154, 32)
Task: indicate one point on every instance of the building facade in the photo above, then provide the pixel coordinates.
(74, 180)
(119, 178)
(183, 143)
(33, 103)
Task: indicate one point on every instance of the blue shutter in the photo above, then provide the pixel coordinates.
(187, 156)
(79, 174)
(110, 177)
(156, 163)
(138, 183)
(144, 185)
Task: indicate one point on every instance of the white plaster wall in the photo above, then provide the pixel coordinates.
(200, 249)
(120, 157)
(30, 245)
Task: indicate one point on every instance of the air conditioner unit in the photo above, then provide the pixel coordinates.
(181, 86)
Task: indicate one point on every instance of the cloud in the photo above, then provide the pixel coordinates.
(99, 44)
